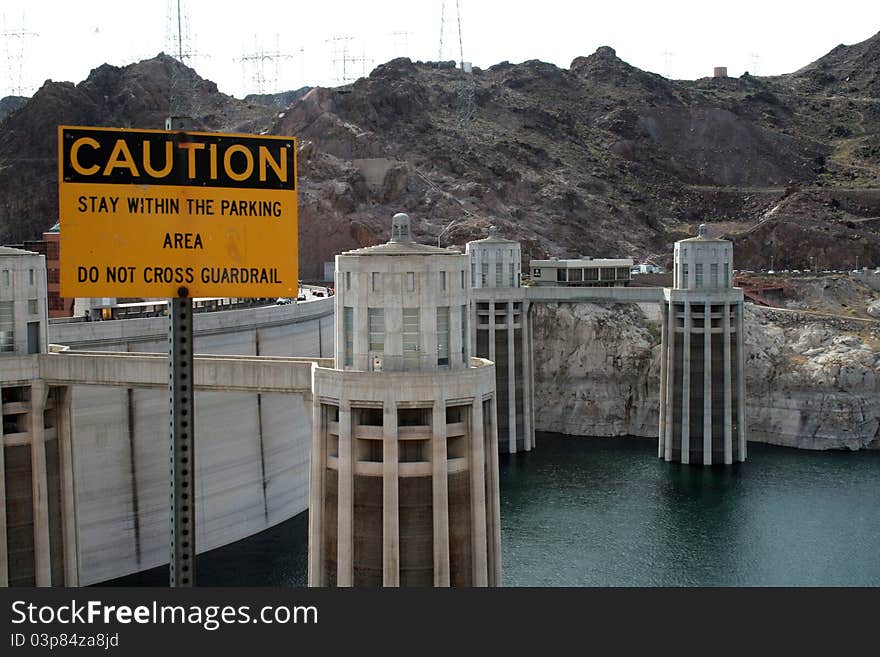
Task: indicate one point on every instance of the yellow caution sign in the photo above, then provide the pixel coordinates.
(147, 212)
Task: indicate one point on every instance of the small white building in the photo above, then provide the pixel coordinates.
(584, 272)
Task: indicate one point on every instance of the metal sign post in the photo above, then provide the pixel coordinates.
(180, 385)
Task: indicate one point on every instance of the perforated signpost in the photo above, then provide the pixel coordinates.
(150, 213)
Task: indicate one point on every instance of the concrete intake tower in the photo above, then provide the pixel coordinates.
(501, 332)
(702, 382)
(403, 486)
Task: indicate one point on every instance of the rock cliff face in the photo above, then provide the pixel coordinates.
(812, 382)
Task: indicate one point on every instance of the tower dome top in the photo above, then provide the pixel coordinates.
(401, 230)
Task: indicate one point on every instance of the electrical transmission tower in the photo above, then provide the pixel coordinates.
(667, 59)
(183, 101)
(254, 66)
(15, 41)
(400, 44)
(443, 29)
(344, 63)
(467, 86)
(756, 60)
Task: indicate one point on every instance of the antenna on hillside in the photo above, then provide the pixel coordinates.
(15, 41)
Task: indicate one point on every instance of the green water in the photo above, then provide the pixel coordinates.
(607, 512)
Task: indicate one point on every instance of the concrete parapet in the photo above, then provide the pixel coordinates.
(218, 373)
(119, 333)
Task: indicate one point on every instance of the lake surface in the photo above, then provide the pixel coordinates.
(607, 512)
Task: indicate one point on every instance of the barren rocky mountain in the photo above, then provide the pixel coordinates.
(600, 158)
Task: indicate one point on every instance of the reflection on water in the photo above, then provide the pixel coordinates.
(607, 512)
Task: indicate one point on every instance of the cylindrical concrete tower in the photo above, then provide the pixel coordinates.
(501, 332)
(702, 382)
(404, 473)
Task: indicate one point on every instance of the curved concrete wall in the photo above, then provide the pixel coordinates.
(252, 451)
(270, 330)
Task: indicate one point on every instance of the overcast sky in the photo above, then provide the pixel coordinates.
(65, 39)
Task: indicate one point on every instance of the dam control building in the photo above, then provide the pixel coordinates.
(702, 381)
(404, 464)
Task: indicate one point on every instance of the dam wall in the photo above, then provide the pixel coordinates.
(252, 450)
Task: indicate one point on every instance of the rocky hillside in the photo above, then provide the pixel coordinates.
(812, 382)
(279, 101)
(9, 104)
(138, 96)
(600, 158)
